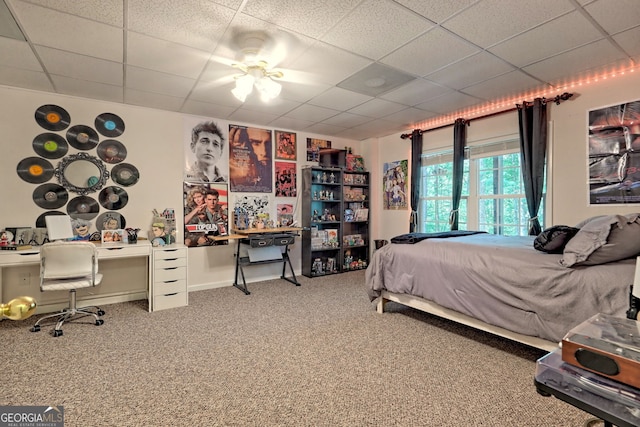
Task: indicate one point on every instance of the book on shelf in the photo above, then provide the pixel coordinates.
(362, 214)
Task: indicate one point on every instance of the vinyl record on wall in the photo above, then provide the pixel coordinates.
(111, 151)
(113, 198)
(50, 196)
(125, 174)
(110, 221)
(84, 207)
(50, 145)
(109, 124)
(40, 222)
(82, 137)
(53, 117)
(35, 170)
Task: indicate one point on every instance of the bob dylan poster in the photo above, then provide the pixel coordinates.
(286, 147)
(395, 185)
(205, 151)
(206, 213)
(313, 148)
(285, 179)
(250, 159)
(614, 154)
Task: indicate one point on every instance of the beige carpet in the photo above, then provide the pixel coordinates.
(314, 355)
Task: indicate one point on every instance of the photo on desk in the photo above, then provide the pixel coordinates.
(206, 217)
(113, 236)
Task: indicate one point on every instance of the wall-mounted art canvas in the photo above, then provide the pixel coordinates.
(614, 154)
(394, 185)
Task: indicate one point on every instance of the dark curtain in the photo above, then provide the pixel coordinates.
(533, 152)
(416, 162)
(459, 142)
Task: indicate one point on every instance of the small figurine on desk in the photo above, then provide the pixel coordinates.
(4, 239)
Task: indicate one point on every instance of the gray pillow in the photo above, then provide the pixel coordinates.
(604, 239)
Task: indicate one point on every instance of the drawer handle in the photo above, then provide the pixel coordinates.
(29, 253)
(171, 259)
(170, 250)
(170, 268)
(261, 243)
(114, 249)
(170, 281)
(170, 295)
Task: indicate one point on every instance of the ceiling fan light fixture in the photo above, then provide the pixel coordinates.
(258, 76)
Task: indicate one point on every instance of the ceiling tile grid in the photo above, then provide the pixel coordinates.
(340, 59)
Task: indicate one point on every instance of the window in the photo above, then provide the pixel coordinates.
(493, 198)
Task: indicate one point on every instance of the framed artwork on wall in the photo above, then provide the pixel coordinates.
(613, 138)
(286, 147)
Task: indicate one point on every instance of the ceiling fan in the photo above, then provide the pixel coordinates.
(256, 72)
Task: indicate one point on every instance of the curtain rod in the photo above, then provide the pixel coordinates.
(558, 99)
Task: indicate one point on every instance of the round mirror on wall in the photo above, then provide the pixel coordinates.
(81, 173)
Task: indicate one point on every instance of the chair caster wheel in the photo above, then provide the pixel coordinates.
(57, 332)
(99, 322)
(35, 328)
(100, 313)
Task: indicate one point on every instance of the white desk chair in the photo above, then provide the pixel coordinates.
(69, 266)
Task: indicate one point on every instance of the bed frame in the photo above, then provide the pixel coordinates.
(435, 309)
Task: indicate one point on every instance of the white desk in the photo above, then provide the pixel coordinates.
(110, 252)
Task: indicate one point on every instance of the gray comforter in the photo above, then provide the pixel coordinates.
(502, 281)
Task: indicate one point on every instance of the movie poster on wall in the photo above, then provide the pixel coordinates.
(286, 179)
(394, 185)
(206, 213)
(614, 154)
(206, 152)
(250, 159)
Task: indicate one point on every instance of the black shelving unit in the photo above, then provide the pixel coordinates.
(333, 242)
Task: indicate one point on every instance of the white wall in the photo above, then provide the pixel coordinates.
(155, 145)
(568, 157)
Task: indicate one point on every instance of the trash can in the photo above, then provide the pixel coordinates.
(380, 243)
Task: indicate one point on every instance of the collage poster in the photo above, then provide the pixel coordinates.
(285, 179)
(614, 154)
(250, 159)
(395, 185)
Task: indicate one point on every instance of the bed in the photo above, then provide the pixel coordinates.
(504, 286)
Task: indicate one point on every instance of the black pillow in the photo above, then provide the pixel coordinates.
(554, 239)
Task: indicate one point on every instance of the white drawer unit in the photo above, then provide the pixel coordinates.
(169, 282)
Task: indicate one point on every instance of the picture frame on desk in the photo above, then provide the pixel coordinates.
(113, 236)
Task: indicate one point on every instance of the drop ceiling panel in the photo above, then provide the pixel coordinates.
(70, 33)
(206, 109)
(615, 16)
(377, 108)
(347, 120)
(543, 42)
(437, 10)
(106, 11)
(338, 97)
(415, 92)
(484, 65)
(325, 129)
(80, 66)
(430, 52)
(18, 54)
(155, 54)
(585, 58)
(155, 81)
(410, 117)
(328, 64)
(253, 117)
(514, 83)
(453, 102)
(372, 29)
(86, 89)
(278, 106)
(312, 113)
(25, 78)
(285, 122)
(310, 17)
(196, 24)
(152, 100)
(491, 21)
(629, 41)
